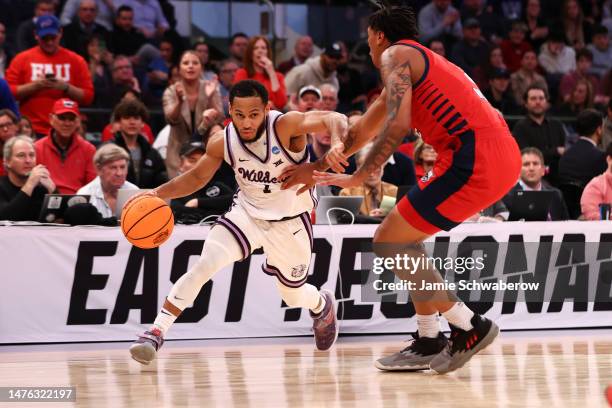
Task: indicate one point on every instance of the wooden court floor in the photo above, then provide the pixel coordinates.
(528, 369)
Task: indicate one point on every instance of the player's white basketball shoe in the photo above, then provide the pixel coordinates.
(325, 324)
(417, 356)
(145, 348)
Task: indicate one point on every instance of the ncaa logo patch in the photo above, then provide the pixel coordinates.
(275, 150)
(298, 271)
(430, 174)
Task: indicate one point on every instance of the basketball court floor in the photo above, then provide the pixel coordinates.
(521, 369)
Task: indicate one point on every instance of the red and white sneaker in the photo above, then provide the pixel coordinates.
(325, 324)
(145, 348)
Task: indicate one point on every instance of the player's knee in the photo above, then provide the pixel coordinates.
(213, 260)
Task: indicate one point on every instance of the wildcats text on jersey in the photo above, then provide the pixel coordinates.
(258, 167)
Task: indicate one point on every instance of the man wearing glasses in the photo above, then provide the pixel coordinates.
(64, 152)
(47, 72)
(8, 128)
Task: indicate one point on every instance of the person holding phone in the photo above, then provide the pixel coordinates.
(48, 72)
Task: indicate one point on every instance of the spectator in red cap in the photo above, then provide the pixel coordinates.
(64, 152)
(47, 72)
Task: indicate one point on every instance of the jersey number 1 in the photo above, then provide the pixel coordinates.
(267, 189)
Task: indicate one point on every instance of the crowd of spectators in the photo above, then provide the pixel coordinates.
(545, 65)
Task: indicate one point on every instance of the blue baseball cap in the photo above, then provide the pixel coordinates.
(47, 25)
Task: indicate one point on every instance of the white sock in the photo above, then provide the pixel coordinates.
(459, 315)
(164, 320)
(320, 306)
(429, 325)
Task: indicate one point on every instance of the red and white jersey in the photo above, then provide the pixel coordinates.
(258, 167)
(446, 102)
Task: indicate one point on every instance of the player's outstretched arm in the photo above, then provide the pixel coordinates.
(198, 176)
(398, 99)
(296, 124)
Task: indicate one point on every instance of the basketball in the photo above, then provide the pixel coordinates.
(147, 222)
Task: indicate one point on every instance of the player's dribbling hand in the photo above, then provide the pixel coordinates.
(151, 193)
(340, 180)
(298, 174)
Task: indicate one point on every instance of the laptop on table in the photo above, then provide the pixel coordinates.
(530, 205)
(337, 207)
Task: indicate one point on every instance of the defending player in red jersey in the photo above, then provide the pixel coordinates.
(478, 162)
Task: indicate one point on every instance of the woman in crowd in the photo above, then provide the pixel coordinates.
(482, 73)
(258, 66)
(191, 106)
(577, 30)
(580, 99)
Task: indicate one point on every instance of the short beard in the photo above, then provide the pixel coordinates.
(537, 114)
(260, 131)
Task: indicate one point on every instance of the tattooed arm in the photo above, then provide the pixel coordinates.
(396, 76)
(395, 71)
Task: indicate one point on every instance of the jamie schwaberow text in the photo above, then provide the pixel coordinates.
(405, 285)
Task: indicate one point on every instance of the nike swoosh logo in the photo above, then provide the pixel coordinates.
(243, 160)
(166, 313)
(297, 231)
(178, 298)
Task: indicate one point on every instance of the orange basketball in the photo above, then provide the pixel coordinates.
(147, 222)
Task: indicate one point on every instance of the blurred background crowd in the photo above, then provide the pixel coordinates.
(102, 95)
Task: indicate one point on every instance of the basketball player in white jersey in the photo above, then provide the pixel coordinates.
(259, 144)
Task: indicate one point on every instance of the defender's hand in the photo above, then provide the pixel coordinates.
(336, 159)
(298, 174)
(340, 180)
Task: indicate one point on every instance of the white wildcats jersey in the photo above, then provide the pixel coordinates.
(259, 181)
